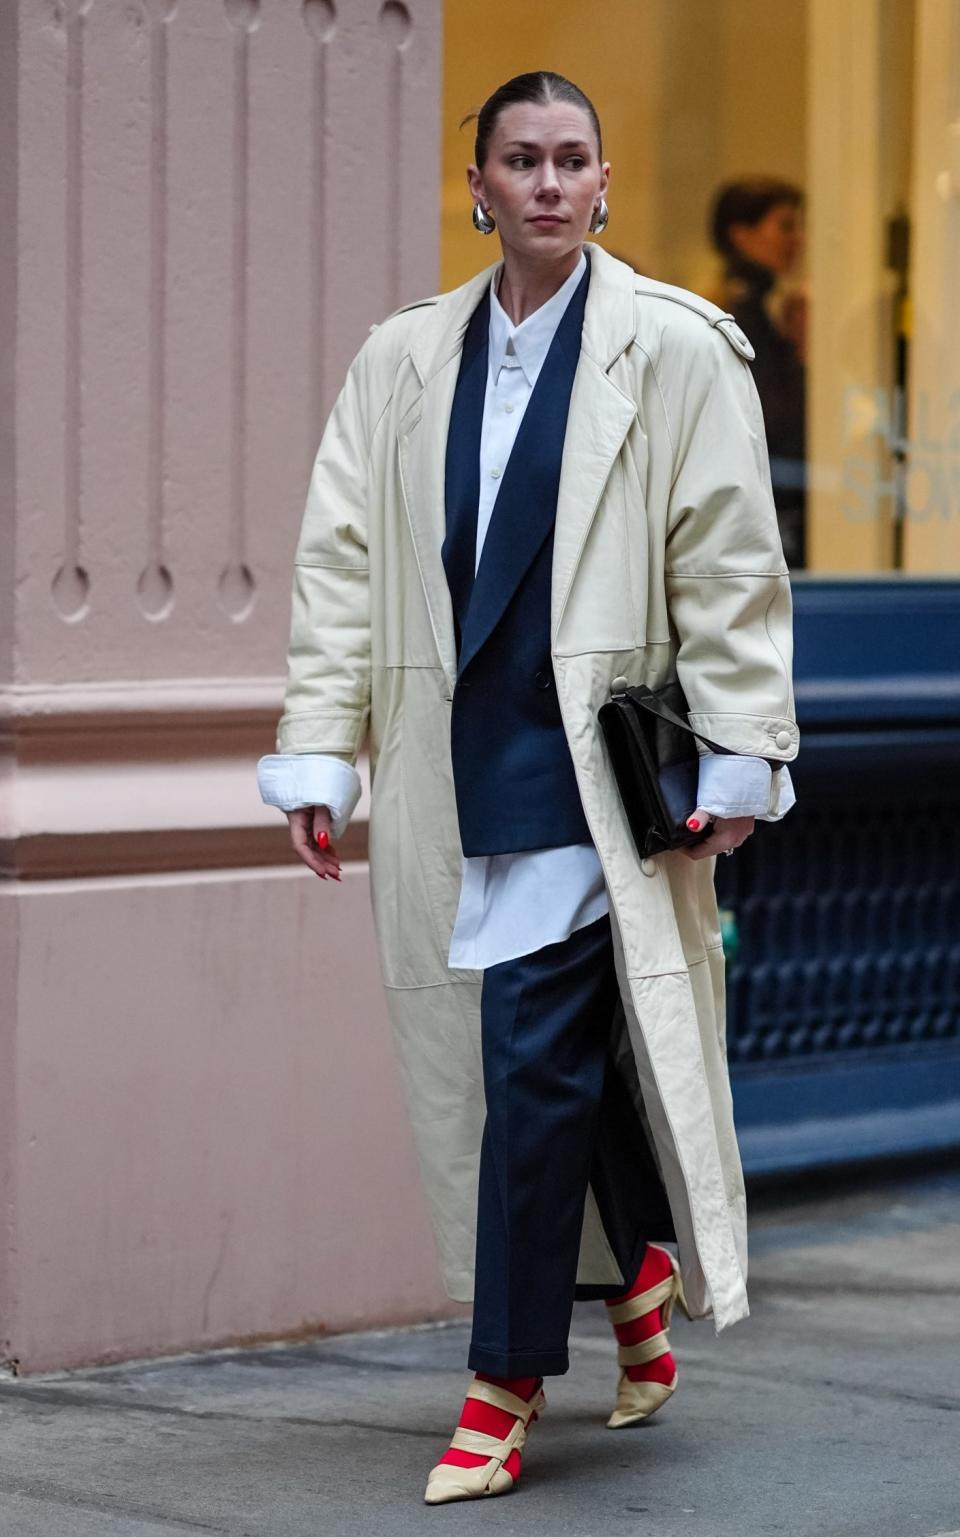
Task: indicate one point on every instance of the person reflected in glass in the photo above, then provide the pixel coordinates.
(756, 226)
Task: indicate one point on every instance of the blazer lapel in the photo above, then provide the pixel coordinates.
(462, 475)
(525, 510)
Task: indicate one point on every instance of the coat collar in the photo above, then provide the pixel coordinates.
(599, 419)
(609, 322)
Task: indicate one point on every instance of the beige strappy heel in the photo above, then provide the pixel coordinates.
(447, 1482)
(636, 1401)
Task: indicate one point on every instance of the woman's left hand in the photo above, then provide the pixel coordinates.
(728, 833)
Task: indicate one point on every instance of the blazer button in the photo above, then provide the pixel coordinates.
(619, 685)
(648, 866)
(543, 678)
(783, 740)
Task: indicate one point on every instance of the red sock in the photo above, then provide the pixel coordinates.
(655, 1268)
(477, 1415)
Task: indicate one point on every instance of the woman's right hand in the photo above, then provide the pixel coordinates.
(309, 830)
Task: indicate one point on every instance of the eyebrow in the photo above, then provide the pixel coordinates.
(525, 144)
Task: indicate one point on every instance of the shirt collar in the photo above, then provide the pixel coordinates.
(532, 337)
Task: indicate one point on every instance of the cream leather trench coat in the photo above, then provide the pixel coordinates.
(667, 559)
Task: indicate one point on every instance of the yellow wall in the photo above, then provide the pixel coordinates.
(859, 159)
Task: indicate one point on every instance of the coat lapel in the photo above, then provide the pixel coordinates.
(600, 417)
(422, 444)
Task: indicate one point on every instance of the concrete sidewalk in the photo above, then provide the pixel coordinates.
(834, 1411)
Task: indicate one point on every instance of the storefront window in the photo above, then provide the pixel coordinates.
(797, 164)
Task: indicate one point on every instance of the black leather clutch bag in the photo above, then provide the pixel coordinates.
(653, 751)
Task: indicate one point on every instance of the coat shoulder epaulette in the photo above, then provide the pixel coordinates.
(416, 305)
(711, 313)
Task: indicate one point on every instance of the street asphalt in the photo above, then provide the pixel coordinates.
(834, 1411)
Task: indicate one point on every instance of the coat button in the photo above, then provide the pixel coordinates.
(648, 866)
(783, 740)
(618, 685)
(543, 678)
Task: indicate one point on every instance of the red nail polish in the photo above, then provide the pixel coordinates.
(693, 824)
(323, 839)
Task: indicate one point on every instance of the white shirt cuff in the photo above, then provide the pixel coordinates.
(291, 780)
(734, 786)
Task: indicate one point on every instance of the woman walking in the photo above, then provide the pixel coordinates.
(531, 488)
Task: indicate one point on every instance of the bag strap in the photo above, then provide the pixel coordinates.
(648, 699)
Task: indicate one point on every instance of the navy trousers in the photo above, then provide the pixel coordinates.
(559, 1116)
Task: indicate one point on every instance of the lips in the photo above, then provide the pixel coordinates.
(546, 218)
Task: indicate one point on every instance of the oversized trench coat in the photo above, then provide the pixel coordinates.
(667, 560)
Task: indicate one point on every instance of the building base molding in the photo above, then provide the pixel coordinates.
(124, 779)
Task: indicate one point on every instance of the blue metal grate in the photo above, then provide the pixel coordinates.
(843, 995)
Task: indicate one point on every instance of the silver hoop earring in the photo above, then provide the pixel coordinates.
(600, 219)
(482, 222)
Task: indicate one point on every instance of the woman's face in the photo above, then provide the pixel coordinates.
(542, 179)
(775, 241)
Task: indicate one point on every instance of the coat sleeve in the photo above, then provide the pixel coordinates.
(327, 701)
(727, 584)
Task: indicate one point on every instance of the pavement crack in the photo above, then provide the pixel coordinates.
(72, 1500)
(761, 1286)
(64, 1398)
(884, 1394)
(362, 1363)
(387, 1430)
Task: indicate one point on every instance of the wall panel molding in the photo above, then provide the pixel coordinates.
(112, 778)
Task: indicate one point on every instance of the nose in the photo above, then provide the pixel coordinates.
(549, 183)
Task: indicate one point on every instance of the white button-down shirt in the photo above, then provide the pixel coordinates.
(514, 904)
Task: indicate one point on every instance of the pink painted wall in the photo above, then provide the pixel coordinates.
(201, 1131)
(210, 1141)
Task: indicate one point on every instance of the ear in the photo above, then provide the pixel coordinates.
(475, 183)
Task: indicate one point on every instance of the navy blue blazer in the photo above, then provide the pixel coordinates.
(513, 774)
